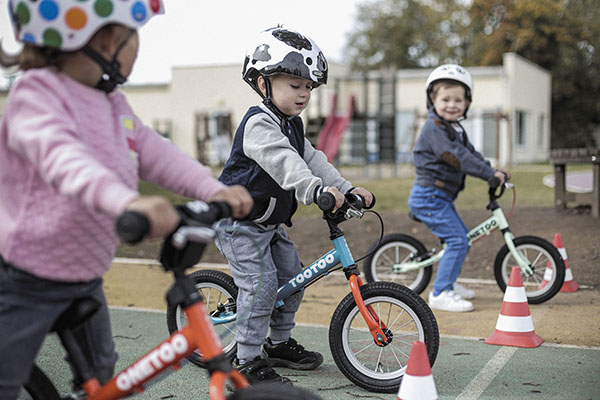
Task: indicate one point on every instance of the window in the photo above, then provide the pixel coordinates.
(541, 130)
(521, 129)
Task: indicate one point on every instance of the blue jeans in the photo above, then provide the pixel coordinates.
(436, 209)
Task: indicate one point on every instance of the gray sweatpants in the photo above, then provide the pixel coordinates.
(257, 287)
(28, 308)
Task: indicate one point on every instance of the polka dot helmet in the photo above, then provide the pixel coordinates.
(283, 51)
(69, 24)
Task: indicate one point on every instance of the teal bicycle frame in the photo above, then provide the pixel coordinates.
(496, 221)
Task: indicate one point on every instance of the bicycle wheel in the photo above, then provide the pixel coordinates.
(273, 391)
(407, 318)
(396, 249)
(220, 293)
(38, 387)
(541, 255)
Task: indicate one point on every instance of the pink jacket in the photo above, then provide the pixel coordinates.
(70, 160)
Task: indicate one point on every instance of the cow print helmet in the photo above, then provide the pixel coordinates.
(284, 51)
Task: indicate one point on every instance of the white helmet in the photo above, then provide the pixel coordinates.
(68, 24)
(284, 51)
(451, 72)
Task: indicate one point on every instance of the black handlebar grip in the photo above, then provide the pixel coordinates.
(494, 182)
(355, 200)
(326, 201)
(132, 227)
(224, 209)
(199, 211)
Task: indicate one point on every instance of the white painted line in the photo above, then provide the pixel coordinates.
(140, 261)
(148, 261)
(478, 385)
(479, 281)
(140, 309)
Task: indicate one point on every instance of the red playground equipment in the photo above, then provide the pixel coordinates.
(333, 128)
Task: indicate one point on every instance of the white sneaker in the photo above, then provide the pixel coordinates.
(463, 292)
(449, 301)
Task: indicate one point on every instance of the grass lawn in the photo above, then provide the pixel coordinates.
(392, 193)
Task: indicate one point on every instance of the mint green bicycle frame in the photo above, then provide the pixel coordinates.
(496, 221)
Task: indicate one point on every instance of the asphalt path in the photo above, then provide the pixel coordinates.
(464, 369)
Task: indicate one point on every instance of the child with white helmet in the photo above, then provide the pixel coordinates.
(442, 157)
(72, 154)
(279, 167)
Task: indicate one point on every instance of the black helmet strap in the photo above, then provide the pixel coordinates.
(111, 76)
(268, 102)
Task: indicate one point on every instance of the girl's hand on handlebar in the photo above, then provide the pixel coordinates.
(162, 216)
(505, 172)
(339, 197)
(502, 176)
(238, 198)
(368, 196)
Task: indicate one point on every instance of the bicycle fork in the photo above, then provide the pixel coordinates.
(376, 326)
(499, 221)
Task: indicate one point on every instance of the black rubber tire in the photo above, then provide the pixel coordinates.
(395, 248)
(543, 253)
(38, 387)
(209, 282)
(271, 391)
(411, 314)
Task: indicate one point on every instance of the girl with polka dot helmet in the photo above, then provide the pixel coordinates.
(72, 154)
(54, 26)
(283, 51)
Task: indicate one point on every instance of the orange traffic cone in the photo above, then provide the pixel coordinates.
(515, 326)
(569, 286)
(417, 383)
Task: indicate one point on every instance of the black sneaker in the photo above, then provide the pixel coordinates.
(290, 354)
(258, 371)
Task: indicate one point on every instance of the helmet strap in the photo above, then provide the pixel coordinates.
(268, 102)
(111, 76)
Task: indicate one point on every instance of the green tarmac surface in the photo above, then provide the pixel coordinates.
(464, 369)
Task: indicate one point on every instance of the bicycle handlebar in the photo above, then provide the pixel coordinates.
(494, 183)
(132, 226)
(326, 201)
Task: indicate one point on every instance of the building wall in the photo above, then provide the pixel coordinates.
(152, 104)
(519, 90)
(528, 90)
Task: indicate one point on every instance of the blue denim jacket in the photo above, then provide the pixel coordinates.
(442, 157)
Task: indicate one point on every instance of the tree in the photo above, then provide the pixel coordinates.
(407, 34)
(562, 36)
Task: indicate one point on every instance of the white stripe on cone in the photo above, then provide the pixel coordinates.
(508, 323)
(515, 294)
(417, 388)
(568, 275)
(563, 253)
